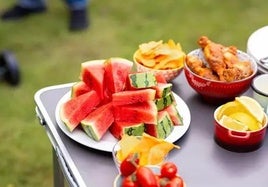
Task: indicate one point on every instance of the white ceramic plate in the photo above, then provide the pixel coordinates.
(107, 142)
(257, 46)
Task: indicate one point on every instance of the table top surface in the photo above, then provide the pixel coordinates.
(200, 160)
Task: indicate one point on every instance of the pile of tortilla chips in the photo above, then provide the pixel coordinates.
(160, 56)
(151, 150)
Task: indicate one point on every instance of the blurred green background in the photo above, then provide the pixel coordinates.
(49, 54)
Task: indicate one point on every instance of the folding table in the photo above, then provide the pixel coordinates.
(200, 160)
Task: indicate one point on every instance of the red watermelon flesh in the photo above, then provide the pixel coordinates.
(118, 129)
(79, 88)
(76, 109)
(145, 112)
(174, 114)
(133, 96)
(160, 78)
(92, 73)
(98, 122)
(116, 73)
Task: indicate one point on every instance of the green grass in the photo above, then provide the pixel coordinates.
(49, 54)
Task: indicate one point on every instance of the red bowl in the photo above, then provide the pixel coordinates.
(238, 141)
(218, 92)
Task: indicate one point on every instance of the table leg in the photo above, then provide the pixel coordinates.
(58, 175)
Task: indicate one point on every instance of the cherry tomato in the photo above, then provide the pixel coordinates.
(129, 182)
(146, 177)
(169, 170)
(175, 182)
(129, 164)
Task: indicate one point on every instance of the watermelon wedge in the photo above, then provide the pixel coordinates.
(73, 111)
(174, 114)
(145, 112)
(92, 73)
(98, 122)
(163, 128)
(133, 96)
(165, 101)
(118, 129)
(142, 80)
(116, 73)
(162, 89)
(79, 88)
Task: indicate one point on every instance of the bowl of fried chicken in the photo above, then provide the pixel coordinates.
(219, 73)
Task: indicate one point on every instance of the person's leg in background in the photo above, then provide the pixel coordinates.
(24, 8)
(79, 14)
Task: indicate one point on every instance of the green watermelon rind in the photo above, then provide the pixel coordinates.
(164, 126)
(163, 89)
(163, 102)
(134, 130)
(89, 129)
(65, 121)
(174, 114)
(118, 129)
(142, 80)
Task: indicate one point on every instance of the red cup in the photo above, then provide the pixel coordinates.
(238, 141)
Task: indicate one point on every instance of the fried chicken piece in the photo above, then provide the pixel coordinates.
(197, 66)
(213, 53)
(224, 60)
(236, 69)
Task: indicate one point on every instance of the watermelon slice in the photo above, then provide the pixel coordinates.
(118, 129)
(145, 112)
(111, 97)
(162, 89)
(142, 80)
(79, 88)
(98, 122)
(116, 73)
(174, 114)
(133, 96)
(163, 102)
(73, 111)
(163, 128)
(92, 73)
